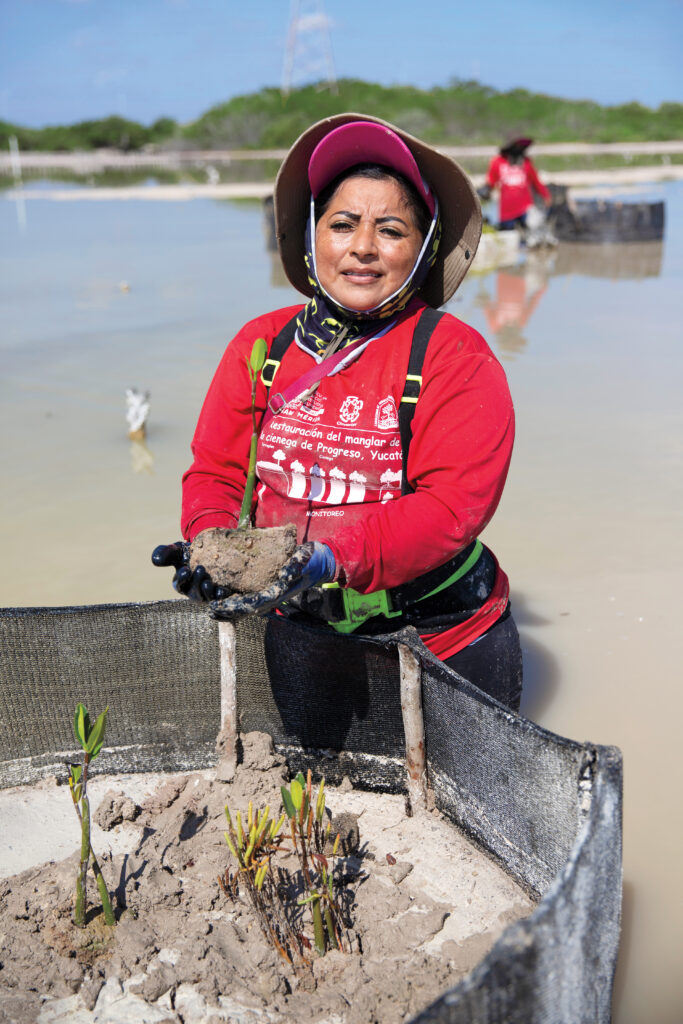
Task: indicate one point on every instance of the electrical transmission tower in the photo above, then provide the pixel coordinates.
(308, 57)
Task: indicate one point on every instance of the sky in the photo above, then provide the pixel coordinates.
(63, 61)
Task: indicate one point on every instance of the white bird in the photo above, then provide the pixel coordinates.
(137, 411)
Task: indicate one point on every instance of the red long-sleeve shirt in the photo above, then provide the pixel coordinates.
(516, 183)
(333, 465)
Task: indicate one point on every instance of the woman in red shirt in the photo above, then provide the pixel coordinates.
(377, 230)
(513, 172)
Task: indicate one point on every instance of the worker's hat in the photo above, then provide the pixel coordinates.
(338, 143)
(516, 145)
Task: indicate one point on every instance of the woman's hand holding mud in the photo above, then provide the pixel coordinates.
(195, 584)
(311, 563)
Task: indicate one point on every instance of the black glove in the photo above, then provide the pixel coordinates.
(195, 584)
(310, 564)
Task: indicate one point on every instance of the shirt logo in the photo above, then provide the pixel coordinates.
(311, 406)
(386, 416)
(350, 409)
(513, 175)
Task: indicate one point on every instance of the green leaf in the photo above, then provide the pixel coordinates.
(75, 770)
(75, 788)
(263, 823)
(300, 779)
(96, 737)
(259, 352)
(303, 900)
(290, 810)
(276, 826)
(230, 843)
(95, 752)
(320, 802)
(297, 793)
(81, 725)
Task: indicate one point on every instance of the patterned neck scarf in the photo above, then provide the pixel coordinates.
(322, 320)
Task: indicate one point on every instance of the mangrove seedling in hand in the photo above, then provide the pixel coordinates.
(255, 363)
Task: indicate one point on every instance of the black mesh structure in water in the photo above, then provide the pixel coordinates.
(598, 221)
(548, 809)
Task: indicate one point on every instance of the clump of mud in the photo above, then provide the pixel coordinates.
(183, 953)
(246, 561)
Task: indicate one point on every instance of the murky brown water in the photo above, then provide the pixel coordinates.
(589, 527)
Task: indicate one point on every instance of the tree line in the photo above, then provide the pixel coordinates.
(461, 113)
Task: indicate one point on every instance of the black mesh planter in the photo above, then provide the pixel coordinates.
(546, 808)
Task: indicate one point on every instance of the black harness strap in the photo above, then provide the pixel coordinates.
(421, 335)
(423, 331)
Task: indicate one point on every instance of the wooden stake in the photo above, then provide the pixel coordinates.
(413, 726)
(227, 738)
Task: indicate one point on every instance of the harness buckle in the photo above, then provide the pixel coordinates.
(276, 403)
(359, 607)
(268, 380)
(411, 388)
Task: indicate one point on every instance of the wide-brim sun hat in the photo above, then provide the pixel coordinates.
(518, 142)
(422, 164)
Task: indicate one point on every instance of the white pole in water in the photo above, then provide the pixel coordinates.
(413, 726)
(15, 162)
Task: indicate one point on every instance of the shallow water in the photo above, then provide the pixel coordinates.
(588, 528)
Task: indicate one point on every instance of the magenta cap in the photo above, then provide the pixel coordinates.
(361, 142)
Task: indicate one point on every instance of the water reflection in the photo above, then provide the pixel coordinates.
(630, 260)
(141, 458)
(542, 668)
(510, 298)
(516, 294)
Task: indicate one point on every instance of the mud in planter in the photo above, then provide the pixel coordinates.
(543, 807)
(420, 907)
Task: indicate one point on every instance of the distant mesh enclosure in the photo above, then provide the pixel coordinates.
(546, 808)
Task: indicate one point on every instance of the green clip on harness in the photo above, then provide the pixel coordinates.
(360, 607)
